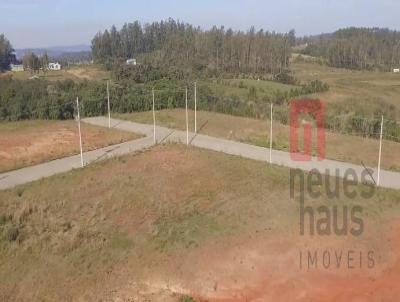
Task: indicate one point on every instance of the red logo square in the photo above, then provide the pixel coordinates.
(316, 109)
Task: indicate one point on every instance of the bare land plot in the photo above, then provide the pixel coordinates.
(346, 148)
(27, 143)
(177, 220)
(75, 73)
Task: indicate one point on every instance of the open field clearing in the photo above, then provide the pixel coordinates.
(240, 88)
(89, 72)
(28, 143)
(54, 75)
(358, 91)
(176, 220)
(75, 73)
(346, 148)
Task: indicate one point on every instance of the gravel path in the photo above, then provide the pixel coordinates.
(10, 179)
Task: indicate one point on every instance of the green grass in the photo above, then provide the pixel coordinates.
(187, 299)
(240, 88)
(184, 230)
(120, 241)
(23, 125)
(361, 92)
(262, 84)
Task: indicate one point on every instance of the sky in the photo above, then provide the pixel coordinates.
(44, 23)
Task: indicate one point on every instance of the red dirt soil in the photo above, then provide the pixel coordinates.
(268, 270)
(259, 265)
(49, 140)
(261, 269)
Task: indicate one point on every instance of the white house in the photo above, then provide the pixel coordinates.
(54, 66)
(396, 70)
(131, 62)
(17, 67)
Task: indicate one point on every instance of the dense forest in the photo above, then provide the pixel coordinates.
(357, 48)
(173, 43)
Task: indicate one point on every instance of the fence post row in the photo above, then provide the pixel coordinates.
(108, 104)
(154, 119)
(79, 130)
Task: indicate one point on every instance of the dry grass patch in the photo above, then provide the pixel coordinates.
(75, 73)
(89, 72)
(174, 221)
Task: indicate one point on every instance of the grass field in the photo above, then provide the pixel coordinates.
(75, 73)
(89, 72)
(240, 87)
(347, 148)
(27, 143)
(175, 220)
(363, 92)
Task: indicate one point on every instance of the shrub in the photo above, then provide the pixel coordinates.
(3, 219)
(187, 299)
(285, 78)
(11, 234)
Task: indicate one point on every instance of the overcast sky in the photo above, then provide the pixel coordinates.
(43, 23)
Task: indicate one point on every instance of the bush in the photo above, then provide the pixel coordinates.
(241, 85)
(252, 93)
(285, 78)
(3, 219)
(187, 299)
(11, 234)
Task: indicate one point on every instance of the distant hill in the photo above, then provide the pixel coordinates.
(55, 51)
(74, 57)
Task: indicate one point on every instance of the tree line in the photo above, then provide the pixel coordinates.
(41, 99)
(175, 43)
(357, 48)
(6, 53)
(34, 63)
(44, 99)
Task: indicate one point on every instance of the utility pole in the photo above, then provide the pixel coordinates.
(187, 119)
(380, 154)
(195, 107)
(154, 119)
(108, 104)
(79, 129)
(270, 137)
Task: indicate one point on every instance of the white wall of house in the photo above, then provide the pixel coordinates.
(131, 62)
(54, 66)
(17, 67)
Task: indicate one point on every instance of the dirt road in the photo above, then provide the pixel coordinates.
(10, 179)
